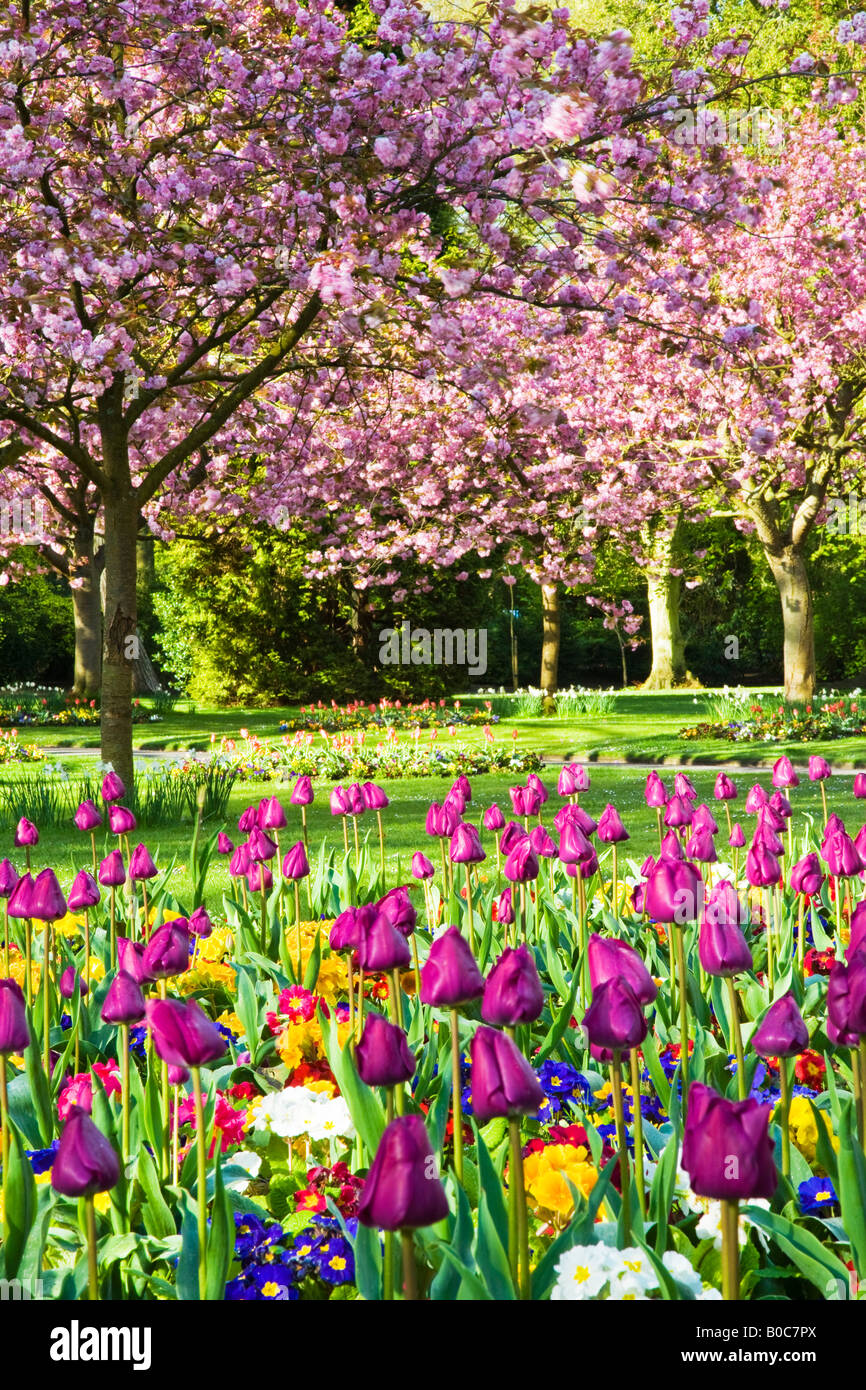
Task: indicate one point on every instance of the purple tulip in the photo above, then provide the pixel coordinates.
(784, 774)
(678, 812)
(724, 907)
(638, 898)
(581, 777)
(504, 908)
(565, 784)
(295, 862)
(69, 981)
(302, 792)
(26, 834)
(522, 865)
(381, 946)
(574, 847)
(575, 815)
(701, 846)
(647, 866)
(703, 819)
(722, 948)
(339, 802)
(466, 845)
(374, 797)
(421, 866)
(21, 898)
(183, 1035)
(447, 820)
(493, 818)
(675, 892)
(819, 769)
(397, 910)
(87, 817)
(357, 804)
(727, 1150)
(85, 1162)
(612, 959)
(860, 785)
(755, 799)
(542, 843)
(841, 855)
(130, 960)
(512, 991)
(615, 1019)
(781, 807)
(261, 847)
(111, 871)
(655, 793)
(124, 1002)
(47, 903)
(383, 1055)
(403, 1190)
(167, 952)
(503, 1083)
(736, 839)
(671, 848)
(112, 787)
(725, 789)
(259, 877)
(121, 821)
(766, 837)
(782, 1032)
(224, 844)
(248, 820)
(683, 787)
(345, 933)
(611, 830)
(762, 867)
(8, 877)
(239, 864)
(272, 816)
(141, 866)
(806, 875)
(14, 1029)
(450, 975)
(462, 785)
(200, 924)
(768, 815)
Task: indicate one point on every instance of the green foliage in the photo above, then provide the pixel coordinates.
(36, 630)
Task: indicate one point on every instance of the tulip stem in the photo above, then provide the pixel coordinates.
(621, 1142)
(801, 933)
(93, 846)
(46, 1002)
(444, 869)
(862, 1060)
(357, 842)
(768, 927)
(730, 1249)
(304, 826)
(124, 1082)
(518, 1195)
(4, 1121)
(785, 1088)
(202, 1183)
(857, 1083)
(92, 1270)
(659, 824)
(614, 895)
(298, 931)
(736, 1037)
(469, 906)
(824, 803)
(381, 847)
(264, 930)
(637, 1121)
(456, 1096)
(145, 923)
(28, 960)
(581, 938)
(388, 1268)
(6, 938)
(351, 975)
(837, 884)
(410, 1273)
(113, 937)
(684, 1015)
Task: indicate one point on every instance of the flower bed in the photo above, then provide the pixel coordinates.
(772, 721)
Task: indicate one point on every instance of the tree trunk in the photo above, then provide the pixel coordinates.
(121, 643)
(550, 638)
(663, 592)
(789, 570)
(87, 615)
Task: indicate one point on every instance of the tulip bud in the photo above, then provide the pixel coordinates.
(655, 794)
(565, 785)
(112, 787)
(85, 1162)
(701, 846)
(26, 834)
(381, 946)
(678, 812)
(755, 799)
(615, 1019)
(725, 789)
(271, 814)
(819, 769)
(421, 866)
(403, 1190)
(762, 867)
(8, 877)
(339, 801)
(345, 933)
(610, 828)
(784, 774)
(503, 1082)
(111, 871)
(295, 863)
(675, 892)
(14, 1029)
(396, 909)
(200, 924)
(736, 839)
(224, 844)
(21, 898)
(121, 820)
(124, 1002)
(522, 865)
(466, 846)
(87, 817)
(782, 1032)
(130, 959)
(141, 866)
(493, 818)
(611, 959)
(70, 980)
(383, 1055)
(374, 797)
(47, 903)
(505, 908)
(302, 792)
(683, 787)
(671, 848)
(860, 785)
(512, 992)
(239, 864)
(167, 951)
(727, 1150)
(703, 819)
(450, 975)
(183, 1035)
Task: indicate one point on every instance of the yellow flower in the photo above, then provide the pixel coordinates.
(220, 943)
(70, 925)
(548, 1173)
(230, 1020)
(206, 975)
(803, 1129)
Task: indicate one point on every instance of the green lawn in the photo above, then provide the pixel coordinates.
(642, 729)
(404, 820)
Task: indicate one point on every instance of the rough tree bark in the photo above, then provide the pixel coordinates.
(788, 566)
(664, 590)
(120, 647)
(550, 638)
(87, 615)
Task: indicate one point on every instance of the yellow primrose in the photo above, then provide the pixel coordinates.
(548, 1173)
(803, 1129)
(230, 1020)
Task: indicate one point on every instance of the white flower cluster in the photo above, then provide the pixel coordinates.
(297, 1111)
(601, 1272)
